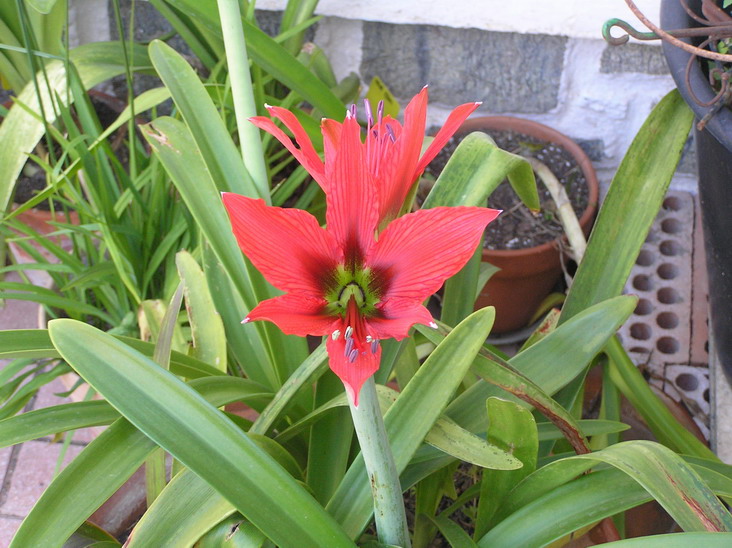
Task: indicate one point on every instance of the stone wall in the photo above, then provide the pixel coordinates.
(595, 93)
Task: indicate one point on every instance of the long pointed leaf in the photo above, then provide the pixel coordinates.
(20, 131)
(550, 363)
(184, 424)
(201, 116)
(96, 473)
(631, 205)
(410, 418)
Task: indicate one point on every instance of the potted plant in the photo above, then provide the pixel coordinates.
(709, 97)
(529, 248)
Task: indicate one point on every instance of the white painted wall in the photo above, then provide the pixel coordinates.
(574, 18)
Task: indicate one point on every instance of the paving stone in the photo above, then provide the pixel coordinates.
(48, 396)
(33, 472)
(8, 526)
(5, 453)
(633, 58)
(508, 72)
(18, 314)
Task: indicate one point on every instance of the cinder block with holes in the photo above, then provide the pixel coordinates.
(662, 335)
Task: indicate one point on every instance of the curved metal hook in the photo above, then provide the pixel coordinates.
(628, 28)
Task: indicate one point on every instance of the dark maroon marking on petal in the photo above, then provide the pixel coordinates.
(381, 279)
(323, 274)
(352, 253)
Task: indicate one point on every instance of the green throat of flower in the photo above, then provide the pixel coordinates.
(352, 285)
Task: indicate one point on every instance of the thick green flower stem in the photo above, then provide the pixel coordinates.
(391, 520)
(243, 94)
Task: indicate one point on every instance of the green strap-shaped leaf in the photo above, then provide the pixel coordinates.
(474, 170)
(667, 429)
(454, 440)
(671, 481)
(184, 424)
(173, 143)
(20, 131)
(413, 414)
(184, 511)
(203, 119)
(35, 343)
(631, 205)
(548, 516)
(676, 540)
(42, 6)
(207, 329)
(329, 447)
(644, 461)
(98, 471)
(245, 347)
(553, 361)
(589, 427)
(90, 479)
(48, 421)
(188, 507)
(453, 533)
(513, 428)
(271, 57)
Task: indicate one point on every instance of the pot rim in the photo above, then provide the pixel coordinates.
(673, 16)
(544, 133)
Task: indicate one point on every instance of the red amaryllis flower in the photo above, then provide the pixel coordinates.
(344, 281)
(391, 150)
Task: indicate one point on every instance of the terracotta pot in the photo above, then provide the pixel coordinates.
(528, 275)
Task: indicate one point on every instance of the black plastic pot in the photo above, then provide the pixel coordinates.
(714, 158)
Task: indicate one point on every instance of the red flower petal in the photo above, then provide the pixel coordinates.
(305, 154)
(418, 252)
(409, 139)
(331, 131)
(295, 315)
(287, 245)
(397, 317)
(352, 205)
(352, 373)
(456, 117)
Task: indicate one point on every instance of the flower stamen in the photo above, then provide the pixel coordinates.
(349, 347)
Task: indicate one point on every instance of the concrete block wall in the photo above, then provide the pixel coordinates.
(595, 93)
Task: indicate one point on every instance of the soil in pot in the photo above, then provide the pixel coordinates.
(525, 246)
(517, 227)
